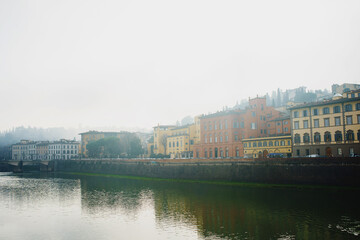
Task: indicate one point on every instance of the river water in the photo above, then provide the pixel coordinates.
(52, 206)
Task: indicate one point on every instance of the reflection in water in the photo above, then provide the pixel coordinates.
(81, 207)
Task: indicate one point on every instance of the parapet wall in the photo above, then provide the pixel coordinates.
(343, 172)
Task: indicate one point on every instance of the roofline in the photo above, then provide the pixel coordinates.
(314, 104)
(266, 138)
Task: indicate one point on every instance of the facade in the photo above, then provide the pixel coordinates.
(63, 149)
(261, 147)
(330, 128)
(45, 150)
(346, 87)
(89, 136)
(180, 141)
(161, 132)
(222, 133)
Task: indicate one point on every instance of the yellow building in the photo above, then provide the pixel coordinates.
(330, 127)
(161, 132)
(261, 147)
(90, 136)
(179, 142)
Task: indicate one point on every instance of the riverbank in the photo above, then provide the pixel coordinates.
(325, 172)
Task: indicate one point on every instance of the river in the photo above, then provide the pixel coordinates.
(54, 206)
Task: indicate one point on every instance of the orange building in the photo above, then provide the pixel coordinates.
(222, 132)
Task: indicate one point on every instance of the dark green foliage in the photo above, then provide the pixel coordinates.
(127, 146)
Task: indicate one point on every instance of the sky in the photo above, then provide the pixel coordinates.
(136, 64)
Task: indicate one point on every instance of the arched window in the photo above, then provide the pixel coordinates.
(260, 144)
(297, 138)
(317, 137)
(350, 135)
(226, 152)
(210, 153)
(282, 143)
(338, 136)
(306, 138)
(276, 143)
(327, 137)
(237, 153)
(270, 143)
(205, 153)
(265, 144)
(221, 153)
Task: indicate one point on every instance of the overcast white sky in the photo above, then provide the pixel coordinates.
(139, 63)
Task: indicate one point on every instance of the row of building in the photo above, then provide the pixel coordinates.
(326, 128)
(45, 150)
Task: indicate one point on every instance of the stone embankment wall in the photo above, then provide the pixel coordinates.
(330, 171)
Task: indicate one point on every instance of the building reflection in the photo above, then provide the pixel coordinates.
(226, 211)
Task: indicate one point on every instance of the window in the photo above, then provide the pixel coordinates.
(177, 144)
(221, 138)
(317, 137)
(296, 124)
(215, 138)
(220, 126)
(297, 152)
(253, 114)
(326, 110)
(306, 124)
(245, 145)
(339, 151)
(276, 143)
(278, 130)
(338, 136)
(286, 129)
(254, 144)
(282, 143)
(327, 137)
(337, 121)
(226, 138)
(253, 125)
(307, 151)
(226, 125)
(236, 137)
(210, 138)
(306, 138)
(205, 153)
(358, 106)
(348, 119)
(289, 143)
(215, 126)
(326, 122)
(348, 107)
(169, 144)
(265, 144)
(358, 134)
(316, 123)
(315, 112)
(350, 135)
(205, 127)
(358, 117)
(237, 152)
(270, 144)
(226, 152)
(296, 114)
(260, 144)
(210, 153)
(205, 138)
(278, 124)
(305, 113)
(336, 109)
(235, 124)
(210, 127)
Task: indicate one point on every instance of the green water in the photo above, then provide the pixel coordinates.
(34, 206)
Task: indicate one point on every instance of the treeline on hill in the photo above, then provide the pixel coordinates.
(128, 146)
(36, 134)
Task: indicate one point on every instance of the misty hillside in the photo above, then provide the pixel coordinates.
(36, 134)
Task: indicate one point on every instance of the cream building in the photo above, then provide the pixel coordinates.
(330, 127)
(261, 147)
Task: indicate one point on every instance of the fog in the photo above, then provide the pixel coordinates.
(139, 63)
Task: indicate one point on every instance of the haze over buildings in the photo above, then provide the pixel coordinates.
(133, 64)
